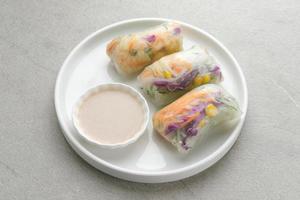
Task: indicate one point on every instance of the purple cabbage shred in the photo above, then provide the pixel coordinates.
(171, 128)
(192, 128)
(177, 31)
(216, 71)
(151, 38)
(179, 84)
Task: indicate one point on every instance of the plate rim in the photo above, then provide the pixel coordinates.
(200, 165)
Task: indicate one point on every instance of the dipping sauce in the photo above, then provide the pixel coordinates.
(110, 116)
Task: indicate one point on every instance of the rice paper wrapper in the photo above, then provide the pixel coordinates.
(131, 53)
(182, 122)
(172, 76)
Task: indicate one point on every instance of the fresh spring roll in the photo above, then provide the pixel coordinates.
(183, 121)
(175, 74)
(132, 53)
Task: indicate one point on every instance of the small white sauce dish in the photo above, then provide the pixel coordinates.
(139, 130)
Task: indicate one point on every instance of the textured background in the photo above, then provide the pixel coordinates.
(37, 163)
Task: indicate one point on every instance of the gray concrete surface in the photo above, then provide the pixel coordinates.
(37, 163)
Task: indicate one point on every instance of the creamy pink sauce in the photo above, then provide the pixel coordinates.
(110, 116)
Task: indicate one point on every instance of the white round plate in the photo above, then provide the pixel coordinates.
(150, 159)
